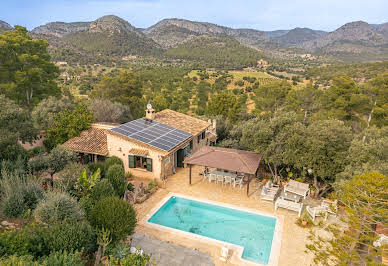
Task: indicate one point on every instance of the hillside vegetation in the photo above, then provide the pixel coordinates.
(216, 52)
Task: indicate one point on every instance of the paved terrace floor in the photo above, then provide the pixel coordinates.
(293, 237)
(169, 254)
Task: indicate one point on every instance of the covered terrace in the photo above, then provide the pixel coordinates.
(240, 162)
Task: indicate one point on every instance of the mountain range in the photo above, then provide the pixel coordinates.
(113, 36)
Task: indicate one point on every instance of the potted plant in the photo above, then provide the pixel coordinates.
(312, 191)
(304, 220)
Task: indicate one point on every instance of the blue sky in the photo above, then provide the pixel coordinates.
(257, 14)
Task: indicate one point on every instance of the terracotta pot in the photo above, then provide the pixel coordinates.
(304, 222)
(312, 193)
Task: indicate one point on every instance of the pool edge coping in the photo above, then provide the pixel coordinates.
(237, 255)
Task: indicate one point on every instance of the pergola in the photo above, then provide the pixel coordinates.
(233, 160)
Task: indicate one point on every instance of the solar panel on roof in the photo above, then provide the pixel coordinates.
(153, 133)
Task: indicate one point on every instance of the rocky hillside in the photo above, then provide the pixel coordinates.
(106, 36)
(352, 38)
(172, 32)
(297, 36)
(4, 26)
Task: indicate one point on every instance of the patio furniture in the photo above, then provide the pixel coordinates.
(238, 182)
(228, 180)
(224, 254)
(212, 177)
(317, 211)
(220, 178)
(298, 188)
(290, 196)
(270, 191)
(134, 250)
(289, 205)
(332, 206)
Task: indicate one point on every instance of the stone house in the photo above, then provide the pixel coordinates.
(151, 147)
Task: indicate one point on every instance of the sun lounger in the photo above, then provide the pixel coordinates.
(289, 205)
(298, 188)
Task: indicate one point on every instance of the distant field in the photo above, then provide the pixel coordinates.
(241, 74)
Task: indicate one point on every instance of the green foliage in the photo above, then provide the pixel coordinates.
(112, 161)
(216, 52)
(131, 187)
(224, 104)
(124, 88)
(15, 124)
(19, 194)
(115, 215)
(71, 235)
(101, 190)
(69, 176)
(58, 158)
(116, 177)
(353, 243)
(69, 123)
(27, 74)
(151, 185)
(130, 260)
(98, 165)
(271, 97)
(368, 152)
(43, 114)
(86, 183)
(63, 258)
(57, 207)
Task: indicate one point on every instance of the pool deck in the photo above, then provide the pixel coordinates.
(293, 238)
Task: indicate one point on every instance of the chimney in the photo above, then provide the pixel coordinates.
(150, 114)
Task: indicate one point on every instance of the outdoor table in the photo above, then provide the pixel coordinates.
(232, 175)
(290, 196)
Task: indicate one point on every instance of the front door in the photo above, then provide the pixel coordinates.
(180, 157)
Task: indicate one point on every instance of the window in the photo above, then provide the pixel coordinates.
(203, 134)
(191, 144)
(141, 162)
(198, 138)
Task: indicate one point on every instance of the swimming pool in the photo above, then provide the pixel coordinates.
(250, 230)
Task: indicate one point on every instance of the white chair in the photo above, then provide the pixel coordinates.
(224, 254)
(220, 178)
(332, 207)
(212, 177)
(228, 180)
(238, 182)
(317, 211)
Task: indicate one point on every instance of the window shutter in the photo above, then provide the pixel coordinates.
(149, 164)
(131, 161)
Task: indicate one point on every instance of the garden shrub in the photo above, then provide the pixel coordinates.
(68, 177)
(31, 240)
(116, 177)
(130, 260)
(56, 207)
(112, 161)
(71, 235)
(94, 166)
(115, 215)
(151, 185)
(18, 194)
(131, 187)
(63, 258)
(101, 190)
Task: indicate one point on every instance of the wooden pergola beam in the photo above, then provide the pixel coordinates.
(190, 174)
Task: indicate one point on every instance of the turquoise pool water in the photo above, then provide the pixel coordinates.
(252, 231)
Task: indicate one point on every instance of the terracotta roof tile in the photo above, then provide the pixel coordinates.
(139, 152)
(92, 141)
(181, 121)
(227, 159)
